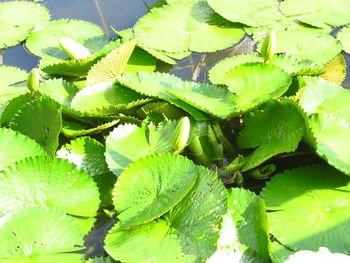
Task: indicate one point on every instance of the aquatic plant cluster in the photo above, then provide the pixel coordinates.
(252, 166)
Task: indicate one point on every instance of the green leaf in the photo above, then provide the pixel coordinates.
(111, 66)
(211, 99)
(319, 13)
(322, 96)
(88, 154)
(344, 37)
(39, 235)
(141, 60)
(315, 198)
(332, 136)
(18, 18)
(279, 253)
(14, 146)
(11, 107)
(251, 12)
(74, 129)
(43, 41)
(106, 95)
(309, 44)
(195, 23)
(148, 139)
(151, 186)
(49, 182)
(8, 77)
(277, 127)
(40, 120)
(255, 83)
(292, 65)
(155, 84)
(59, 90)
(187, 233)
(250, 228)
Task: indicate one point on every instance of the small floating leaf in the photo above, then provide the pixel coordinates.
(8, 77)
(18, 18)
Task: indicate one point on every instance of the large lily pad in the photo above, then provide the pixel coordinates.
(8, 77)
(39, 235)
(277, 127)
(151, 186)
(120, 143)
(40, 120)
(187, 233)
(43, 41)
(18, 18)
(46, 181)
(251, 12)
(332, 136)
(309, 208)
(14, 146)
(323, 96)
(319, 13)
(195, 23)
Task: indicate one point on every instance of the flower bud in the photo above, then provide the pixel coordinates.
(73, 48)
(268, 48)
(181, 135)
(33, 80)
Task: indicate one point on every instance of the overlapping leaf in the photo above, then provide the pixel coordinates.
(39, 235)
(323, 96)
(18, 18)
(14, 146)
(74, 129)
(9, 76)
(187, 233)
(120, 143)
(40, 120)
(277, 127)
(49, 182)
(335, 70)
(315, 199)
(151, 186)
(319, 13)
(195, 23)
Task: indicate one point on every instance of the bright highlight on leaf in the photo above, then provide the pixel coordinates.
(48, 182)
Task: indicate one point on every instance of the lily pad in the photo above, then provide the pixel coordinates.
(252, 12)
(14, 146)
(323, 96)
(40, 120)
(106, 95)
(9, 76)
(276, 127)
(313, 45)
(39, 235)
(46, 181)
(292, 65)
(43, 41)
(149, 140)
(187, 233)
(335, 70)
(18, 18)
(255, 83)
(195, 23)
(318, 13)
(334, 149)
(155, 84)
(151, 186)
(315, 198)
(344, 37)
